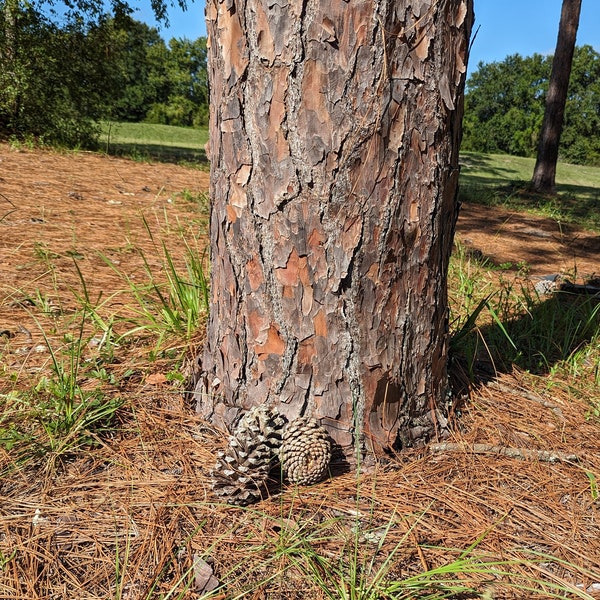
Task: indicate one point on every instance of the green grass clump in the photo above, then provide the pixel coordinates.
(498, 319)
(176, 306)
(60, 415)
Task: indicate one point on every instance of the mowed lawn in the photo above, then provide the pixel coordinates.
(150, 141)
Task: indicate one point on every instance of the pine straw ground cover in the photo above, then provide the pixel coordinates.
(122, 508)
(131, 518)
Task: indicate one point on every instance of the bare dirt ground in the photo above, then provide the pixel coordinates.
(132, 517)
(545, 245)
(60, 208)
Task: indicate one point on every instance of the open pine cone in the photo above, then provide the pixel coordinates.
(241, 471)
(305, 451)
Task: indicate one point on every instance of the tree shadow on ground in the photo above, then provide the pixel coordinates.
(159, 153)
(571, 203)
(499, 240)
(490, 172)
(548, 331)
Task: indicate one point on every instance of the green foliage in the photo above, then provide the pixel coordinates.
(184, 84)
(580, 140)
(166, 84)
(57, 82)
(141, 53)
(504, 107)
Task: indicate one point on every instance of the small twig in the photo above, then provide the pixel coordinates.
(507, 389)
(10, 212)
(519, 453)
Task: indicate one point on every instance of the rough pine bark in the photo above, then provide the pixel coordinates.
(544, 173)
(334, 140)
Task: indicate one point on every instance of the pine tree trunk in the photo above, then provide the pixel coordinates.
(334, 140)
(544, 174)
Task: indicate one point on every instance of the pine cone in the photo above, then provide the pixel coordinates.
(242, 469)
(305, 451)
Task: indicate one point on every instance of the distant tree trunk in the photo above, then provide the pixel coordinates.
(334, 140)
(544, 174)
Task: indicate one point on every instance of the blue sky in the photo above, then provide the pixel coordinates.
(506, 26)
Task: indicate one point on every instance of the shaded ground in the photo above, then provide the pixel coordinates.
(131, 518)
(543, 245)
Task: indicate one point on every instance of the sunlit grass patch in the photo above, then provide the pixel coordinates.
(149, 141)
(503, 180)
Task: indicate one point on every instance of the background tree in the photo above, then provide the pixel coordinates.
(544, 174)
(162, 83)
(43, 94)
(580, 138)
(59, 81)
(334, 165)
(184, 98)
(142, 54)
(504, 107)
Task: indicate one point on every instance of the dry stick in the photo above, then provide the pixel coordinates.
(524, 394)
(520, 453)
